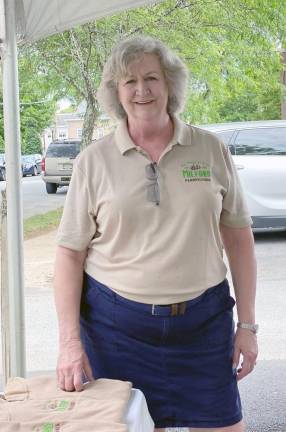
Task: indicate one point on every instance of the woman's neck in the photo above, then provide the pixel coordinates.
(152, 136)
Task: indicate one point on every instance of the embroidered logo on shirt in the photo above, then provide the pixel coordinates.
(196, 171)
(48, 427)
(60, 405)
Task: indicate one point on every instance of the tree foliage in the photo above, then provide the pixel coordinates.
(37, 107)
(73, 63)
(231, 48)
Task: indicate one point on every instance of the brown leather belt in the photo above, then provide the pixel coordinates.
(173, 309)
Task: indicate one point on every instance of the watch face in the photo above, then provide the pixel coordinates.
(254, 328)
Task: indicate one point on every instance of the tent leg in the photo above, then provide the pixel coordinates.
(14, 194)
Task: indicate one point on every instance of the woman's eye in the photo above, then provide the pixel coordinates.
(131, 81)
(151, 78)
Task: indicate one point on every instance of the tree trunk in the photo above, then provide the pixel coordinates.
(90, 116)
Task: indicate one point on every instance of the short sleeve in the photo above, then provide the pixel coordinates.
(78, 223)
(234, 208)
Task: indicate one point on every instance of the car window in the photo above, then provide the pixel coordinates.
(70, 150)
(262, 141)
(225, 136)
(27, 159)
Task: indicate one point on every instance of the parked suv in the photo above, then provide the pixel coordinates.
(259, 153)
(58, 163)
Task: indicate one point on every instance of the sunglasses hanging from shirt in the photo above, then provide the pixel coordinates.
(153, 190)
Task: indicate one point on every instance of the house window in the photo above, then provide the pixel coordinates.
(100, 132)
(79, 133)
(62, 134)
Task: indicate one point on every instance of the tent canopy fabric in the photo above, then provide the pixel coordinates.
(36, 19)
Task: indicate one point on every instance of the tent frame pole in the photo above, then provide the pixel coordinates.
(14, 194)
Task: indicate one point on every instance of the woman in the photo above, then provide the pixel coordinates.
(140, 284)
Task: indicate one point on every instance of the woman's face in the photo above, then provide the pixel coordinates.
(143, 93)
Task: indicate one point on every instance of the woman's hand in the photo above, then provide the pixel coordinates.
(73, 368)
(245, 344)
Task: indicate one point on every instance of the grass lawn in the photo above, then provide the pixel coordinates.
(42, 223)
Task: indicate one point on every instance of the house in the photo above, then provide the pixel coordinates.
(68, 125)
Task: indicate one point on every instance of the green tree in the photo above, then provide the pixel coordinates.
(73, 62)
(37, 107)
(37, 104)
(230, 46)
(34, 119)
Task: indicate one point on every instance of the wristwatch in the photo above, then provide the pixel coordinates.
(251, 327)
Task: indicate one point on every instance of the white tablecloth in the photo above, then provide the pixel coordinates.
(137, 415)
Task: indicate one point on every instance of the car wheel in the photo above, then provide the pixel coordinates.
(51, 188)
(35, 171)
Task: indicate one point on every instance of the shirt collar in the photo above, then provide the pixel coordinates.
(182, 135)
(122, 137)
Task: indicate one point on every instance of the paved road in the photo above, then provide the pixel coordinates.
(35, 198)
(264, 392)
(264, 397)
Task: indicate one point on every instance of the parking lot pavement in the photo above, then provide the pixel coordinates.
(271, 295)
(40, 316)
(264, 398)
(35, 198)
(41, 324)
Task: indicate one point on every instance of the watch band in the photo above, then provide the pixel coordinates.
(246, 326)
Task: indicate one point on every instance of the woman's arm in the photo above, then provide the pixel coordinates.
(239, 248)
(68, 279)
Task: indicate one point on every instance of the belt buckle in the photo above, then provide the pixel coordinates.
(178, 308)
(153, 311)
(174, 309)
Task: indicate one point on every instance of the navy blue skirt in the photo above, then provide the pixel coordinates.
(182, 363)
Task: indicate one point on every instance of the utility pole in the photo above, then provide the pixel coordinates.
(283, 81)
(14, 285)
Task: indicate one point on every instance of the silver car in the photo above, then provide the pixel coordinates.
(259, 153)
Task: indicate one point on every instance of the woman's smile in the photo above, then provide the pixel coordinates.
(143, 102)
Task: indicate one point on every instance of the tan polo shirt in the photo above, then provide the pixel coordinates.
(152, 253)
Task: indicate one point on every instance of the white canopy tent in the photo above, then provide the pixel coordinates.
(27, 21)
(36, 19)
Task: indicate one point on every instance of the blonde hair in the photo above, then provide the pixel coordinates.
(175, 71)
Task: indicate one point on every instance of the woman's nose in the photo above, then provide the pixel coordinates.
(142, 87)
